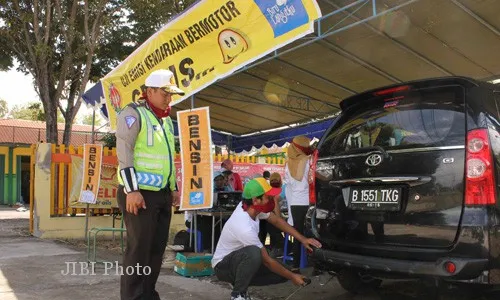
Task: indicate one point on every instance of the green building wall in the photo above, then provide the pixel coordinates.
(10, 179)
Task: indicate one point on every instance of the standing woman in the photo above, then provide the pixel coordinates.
(297, 187)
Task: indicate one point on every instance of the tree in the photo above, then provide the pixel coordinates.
(109, 140)
(64, 44)
(55, 42)
(32, 111)
(143, 19)
(147, 17)
(4, 109)
(87, 120)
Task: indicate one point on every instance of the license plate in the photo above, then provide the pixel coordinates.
(375, 198)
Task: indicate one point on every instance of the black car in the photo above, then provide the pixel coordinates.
(407, 185)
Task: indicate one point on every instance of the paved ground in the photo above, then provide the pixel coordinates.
(30, 268)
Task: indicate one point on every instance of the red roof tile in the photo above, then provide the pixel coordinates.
(13, 131)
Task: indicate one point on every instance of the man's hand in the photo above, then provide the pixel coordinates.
(176, 198)
(282, 225)
(135, 201)
(311, 242)
(298, 279)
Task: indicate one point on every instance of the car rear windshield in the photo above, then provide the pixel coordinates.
(423, 118)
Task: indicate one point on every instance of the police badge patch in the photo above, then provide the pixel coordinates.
(130, 121)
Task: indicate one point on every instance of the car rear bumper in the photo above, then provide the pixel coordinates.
(464, 268)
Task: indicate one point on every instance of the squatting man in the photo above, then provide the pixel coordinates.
(240, 258)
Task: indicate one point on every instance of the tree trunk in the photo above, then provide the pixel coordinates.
(51, 125)
(71, 110)
(50, 111)
(43, 81)
(67, 133)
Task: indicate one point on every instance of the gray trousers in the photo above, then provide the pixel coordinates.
(243, 268)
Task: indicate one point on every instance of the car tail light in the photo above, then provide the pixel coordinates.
(450, 267)
(480, 186)
(312, 177)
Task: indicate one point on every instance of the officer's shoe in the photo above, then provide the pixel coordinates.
(240, 296)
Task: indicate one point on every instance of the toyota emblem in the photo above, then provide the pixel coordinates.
(374, 160)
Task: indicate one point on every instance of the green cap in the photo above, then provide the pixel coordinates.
(258, 187)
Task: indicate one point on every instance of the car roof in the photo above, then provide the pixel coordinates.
(423, 83)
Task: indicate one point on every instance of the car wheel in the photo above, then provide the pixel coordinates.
(357, 283)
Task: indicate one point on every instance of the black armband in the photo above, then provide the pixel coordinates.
(129, 179)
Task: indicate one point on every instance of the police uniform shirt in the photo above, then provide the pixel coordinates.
(127, 130)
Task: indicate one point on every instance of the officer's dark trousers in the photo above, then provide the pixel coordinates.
(147, 235)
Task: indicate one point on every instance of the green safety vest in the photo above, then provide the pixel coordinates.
(154, 153)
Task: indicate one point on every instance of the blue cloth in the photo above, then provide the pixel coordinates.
(92, 97)
(312, 130)
(283, 194)
(217, 174)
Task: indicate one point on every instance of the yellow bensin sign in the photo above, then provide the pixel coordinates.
(108, 186)
(208, 42)
(92, 162)
(196, 158)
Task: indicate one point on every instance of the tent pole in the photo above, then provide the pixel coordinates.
(87, 210)
(92, 139)
(195, 217)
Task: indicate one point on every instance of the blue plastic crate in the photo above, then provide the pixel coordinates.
(190, 264)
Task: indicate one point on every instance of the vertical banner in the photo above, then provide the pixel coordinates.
(92, 162)
(108, 186)
(196, 159)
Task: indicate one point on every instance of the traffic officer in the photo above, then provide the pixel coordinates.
(147, 186)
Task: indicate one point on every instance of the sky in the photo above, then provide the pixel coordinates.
(17, 89)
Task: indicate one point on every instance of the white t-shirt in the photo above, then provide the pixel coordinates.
(188, 216)
(297, 192)
(239, 231)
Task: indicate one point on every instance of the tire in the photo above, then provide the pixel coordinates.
(357, 283)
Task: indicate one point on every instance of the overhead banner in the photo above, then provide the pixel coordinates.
(92, 161)
(196, 159)
(208, 42)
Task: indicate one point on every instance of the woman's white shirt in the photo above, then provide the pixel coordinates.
(297, 192)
